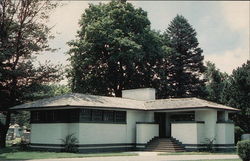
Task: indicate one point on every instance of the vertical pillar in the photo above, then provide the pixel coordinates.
(210, 118)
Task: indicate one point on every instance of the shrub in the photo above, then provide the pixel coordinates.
(237, 134)
(209, 144)
(70, 142)
(24, 145)
(243, 149)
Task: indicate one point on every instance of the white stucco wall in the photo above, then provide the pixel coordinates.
(133, 117)
(145, 132)
(94, 133)
(91, 133)
(224, 133)
(187, 133)
(210, 118)
(48, 133)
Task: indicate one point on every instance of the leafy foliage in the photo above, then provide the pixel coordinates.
(22, 118)
(232, 90)
(236, 94)
(209, 144)
(70, 142)
(237, 134)
(215, 82)
(23, 34)
(243, 149)
(185, 59)
(115, 50)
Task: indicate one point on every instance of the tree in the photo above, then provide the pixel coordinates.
(215, 82)
(23, 34)
(185, 60)
(115, 49)
(38, 92)
(237, 93)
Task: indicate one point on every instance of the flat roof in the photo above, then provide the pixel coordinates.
(85, 100)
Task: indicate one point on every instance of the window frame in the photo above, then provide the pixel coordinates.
(65, 116)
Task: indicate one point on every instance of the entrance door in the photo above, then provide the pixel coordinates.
(160, 118)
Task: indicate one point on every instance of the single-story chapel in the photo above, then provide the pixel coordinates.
(134, 122)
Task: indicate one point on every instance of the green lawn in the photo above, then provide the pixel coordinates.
(196, 153)
(14, 154)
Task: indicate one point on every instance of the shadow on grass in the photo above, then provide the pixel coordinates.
(5, 159)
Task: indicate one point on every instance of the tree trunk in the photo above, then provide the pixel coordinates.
(118, 93)
(3, 131)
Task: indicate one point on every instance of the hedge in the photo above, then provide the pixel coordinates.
(237, 134)
(243, 149)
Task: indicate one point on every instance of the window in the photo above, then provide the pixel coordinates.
(221, 116)
(187, 116)
(77, 115)
(120, 116)
(35, 116)
(108, 116)
(74, 115)
(97, 115)
(85, 115)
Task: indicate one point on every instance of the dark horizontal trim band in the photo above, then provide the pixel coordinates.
(146, 123)
(123, 123)
(95, 150)
(225, 122)
(180, 122)
(84, 145)
(100, 145)
(140, 144)
(214, 145)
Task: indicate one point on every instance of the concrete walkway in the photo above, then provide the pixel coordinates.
(147, 156)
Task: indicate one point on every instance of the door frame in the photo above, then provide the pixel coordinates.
(160, 118)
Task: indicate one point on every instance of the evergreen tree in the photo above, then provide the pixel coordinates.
(185, 60)
(115, 49)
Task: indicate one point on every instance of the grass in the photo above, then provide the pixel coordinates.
(15, 154)
(219, 160)
(197, 153)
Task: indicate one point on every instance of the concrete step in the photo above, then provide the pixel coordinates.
(151, 146)
(164, 145)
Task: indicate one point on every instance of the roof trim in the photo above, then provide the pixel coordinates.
(190, 108)
(73, 107)
(122, 108)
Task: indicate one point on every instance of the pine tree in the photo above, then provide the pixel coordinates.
(185, 59)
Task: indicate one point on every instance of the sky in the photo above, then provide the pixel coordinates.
(222, 27)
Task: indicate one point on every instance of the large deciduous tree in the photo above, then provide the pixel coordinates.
(23, 34)
(115, 49)
(237, 94)
(185, 61)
